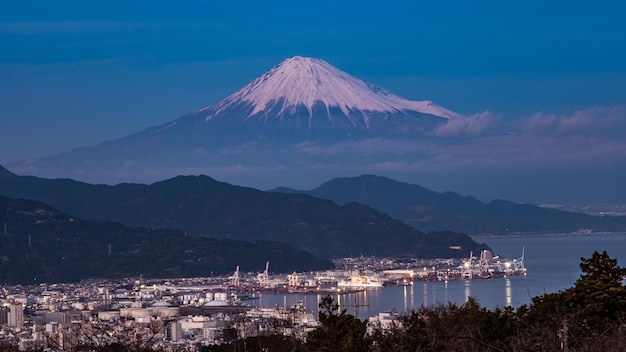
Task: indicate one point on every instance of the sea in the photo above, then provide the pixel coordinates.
(552, 263)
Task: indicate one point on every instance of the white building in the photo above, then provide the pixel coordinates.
(16, 315)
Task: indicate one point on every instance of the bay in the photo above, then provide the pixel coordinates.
(552, 264)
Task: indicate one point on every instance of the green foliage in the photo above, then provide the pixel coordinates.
(274, 343)
(450, 327)
(8, 347)
(601, 268)
(338, 331)
(582, 315)
(598, 297)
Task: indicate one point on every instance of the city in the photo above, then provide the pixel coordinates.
(185, 313)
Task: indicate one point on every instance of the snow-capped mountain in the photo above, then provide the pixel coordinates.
(307, 97)
(301, 113)
(302, 81)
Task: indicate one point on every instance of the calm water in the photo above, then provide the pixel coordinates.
(552, 263)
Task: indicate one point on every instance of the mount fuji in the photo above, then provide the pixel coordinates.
(271, 124)
(306, 98)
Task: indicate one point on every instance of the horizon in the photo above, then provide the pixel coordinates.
(544, 94)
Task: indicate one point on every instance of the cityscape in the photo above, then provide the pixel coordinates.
(179, 314)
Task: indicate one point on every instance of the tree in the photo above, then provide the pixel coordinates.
(588, 314)
(337, 331)
(601, 267)
(6, 346)
(599, 296)
(274, 343)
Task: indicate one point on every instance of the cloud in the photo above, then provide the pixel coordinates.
(591, 121)
(592, 137)
(538, 123)
(565, 146)
(466, 126)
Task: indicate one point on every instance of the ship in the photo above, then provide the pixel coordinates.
(361, 280)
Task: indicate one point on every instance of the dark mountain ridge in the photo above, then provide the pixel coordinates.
(202, 206)
(428, 210)
(42, 244)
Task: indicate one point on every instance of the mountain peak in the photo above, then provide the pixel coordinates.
(300, 60)
(304, 84)
(297, 106)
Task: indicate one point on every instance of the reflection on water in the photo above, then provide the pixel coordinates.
(362, 304)
(489, 293)
(507, 291)
(552, 263)
(409, 298)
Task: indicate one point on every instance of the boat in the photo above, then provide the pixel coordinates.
(360, 281)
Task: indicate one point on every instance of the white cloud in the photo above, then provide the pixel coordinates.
(591, 137)
(538, 123)
(466, 126)
(591, 120)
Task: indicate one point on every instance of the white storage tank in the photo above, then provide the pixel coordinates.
(221, 296)
(108, 315)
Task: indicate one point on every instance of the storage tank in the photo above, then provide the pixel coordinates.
(108, 315)
(165, 312)
(221, 296)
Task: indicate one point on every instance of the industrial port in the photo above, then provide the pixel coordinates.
(174, 313)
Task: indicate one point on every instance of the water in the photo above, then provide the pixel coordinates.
(552, 263)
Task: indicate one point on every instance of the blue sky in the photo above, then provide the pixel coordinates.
(76, 73)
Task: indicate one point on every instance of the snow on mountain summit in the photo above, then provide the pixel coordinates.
(306, 99)
(304, 81)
